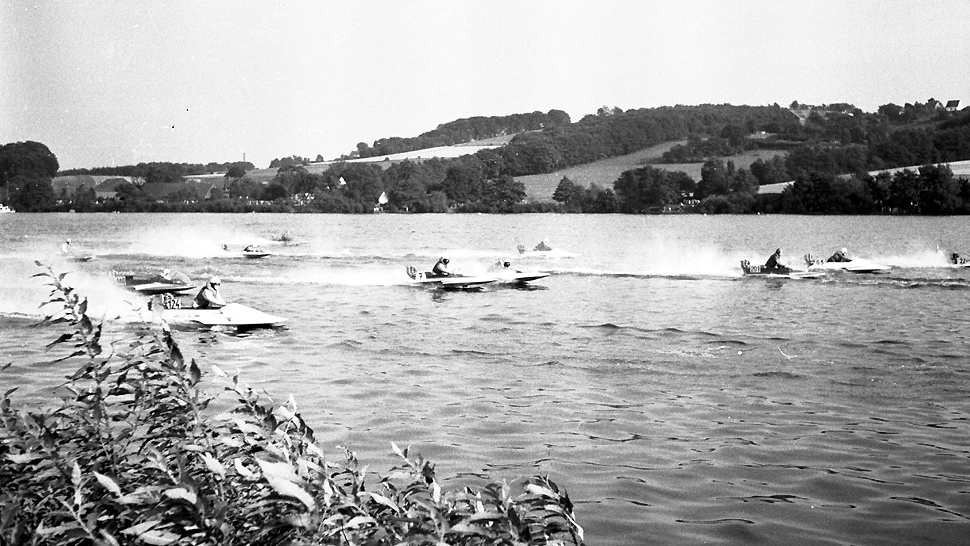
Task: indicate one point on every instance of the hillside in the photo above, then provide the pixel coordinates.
(540, 187)
(384, 162)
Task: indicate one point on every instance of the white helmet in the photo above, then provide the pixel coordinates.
(215, 280)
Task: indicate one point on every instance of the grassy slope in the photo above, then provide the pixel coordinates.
(540, 187)
(265, 175)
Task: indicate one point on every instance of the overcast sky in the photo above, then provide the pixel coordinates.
(121, 82)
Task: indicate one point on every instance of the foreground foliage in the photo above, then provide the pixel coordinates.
(133, 454)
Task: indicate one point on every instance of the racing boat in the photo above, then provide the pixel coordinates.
(855, 265)
(254, 253)
(151, 285)
(958, 261)
(250, 251)
(234, 314)
(777, 272)
(452, 282)
(545, 251)
(506, 274)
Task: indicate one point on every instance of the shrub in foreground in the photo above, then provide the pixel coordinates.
(133, 454)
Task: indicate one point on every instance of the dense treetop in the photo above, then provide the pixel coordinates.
(464, 130)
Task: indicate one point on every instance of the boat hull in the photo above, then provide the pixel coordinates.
(777, 273)
(520, 276)
(152, 285)
(156, 288)
(234, 315)
(853, 266)
(450, 282)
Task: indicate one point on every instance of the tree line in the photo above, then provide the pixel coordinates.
(725, 189)
(832, 143)
(463, 130)
(164, 172)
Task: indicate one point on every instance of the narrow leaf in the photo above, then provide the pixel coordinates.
(181, 493)
(158, 538)
(241, 469)
(142, 527)
(290, 489)
(539, 490)
(24, 458)
(383, 500)
(45, 531)
(108, 483)
(358, 521)
(281, 471)
(214, 465)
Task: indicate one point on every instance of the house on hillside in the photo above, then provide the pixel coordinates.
(108, 189)
(952, 105)
(67, 185)
(178, 192)
(104, 186)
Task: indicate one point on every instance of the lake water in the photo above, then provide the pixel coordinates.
(677, 402)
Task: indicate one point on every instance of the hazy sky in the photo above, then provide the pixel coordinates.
(121, 82)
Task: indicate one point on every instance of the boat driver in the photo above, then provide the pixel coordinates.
(840, 256)
(774, 261)
(209, 297)
(440, 269)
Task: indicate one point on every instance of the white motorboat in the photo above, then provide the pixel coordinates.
(454, 282)
(855, 265)
(234, 314)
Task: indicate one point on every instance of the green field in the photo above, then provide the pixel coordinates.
(540, 187)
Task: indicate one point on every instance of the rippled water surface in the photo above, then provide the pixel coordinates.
(677, 402)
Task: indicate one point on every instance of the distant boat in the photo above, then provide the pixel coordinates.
(5, 209)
